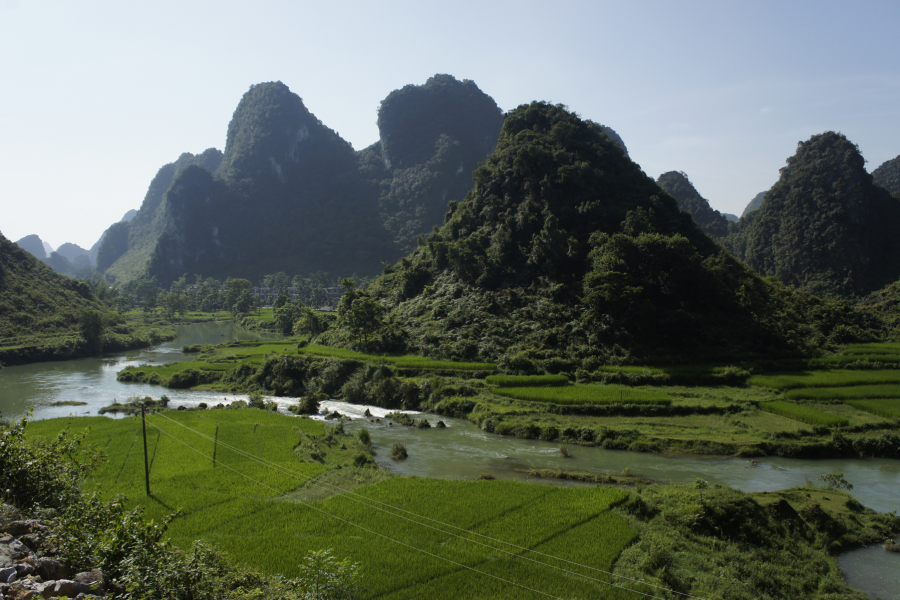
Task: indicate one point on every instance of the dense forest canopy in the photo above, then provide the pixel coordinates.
(36, 300)
(888, 175)
(689, 200)
(566, 249)
(824, 225)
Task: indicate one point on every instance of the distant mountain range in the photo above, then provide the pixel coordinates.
(289, 194)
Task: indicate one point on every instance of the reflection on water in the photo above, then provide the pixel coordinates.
(93, 380)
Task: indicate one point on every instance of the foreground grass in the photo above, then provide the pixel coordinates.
(268, 521)
(698, 540)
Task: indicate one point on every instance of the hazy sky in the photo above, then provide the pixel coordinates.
(97, 96)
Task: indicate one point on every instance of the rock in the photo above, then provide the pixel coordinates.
(50, 568)
(94, 577)
(440, 424)
(23, 570)
(12, 551)
(8, 574)
(20, 528)
(65, 587)
(367, 413)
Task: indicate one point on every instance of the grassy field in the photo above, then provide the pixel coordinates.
(262, 515)
(585, 394)
(883, 408)
(835, 378)
(802, 413)
(401, 362)
(845, 393)
(526, 380)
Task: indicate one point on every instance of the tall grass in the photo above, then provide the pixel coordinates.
(802, 413)
(527, 380)
(835, 378)
(585, 394)
(844, 393)
(883, 408)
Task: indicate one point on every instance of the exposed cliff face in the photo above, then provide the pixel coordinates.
(125, 248)
(432, 137)
(825, 225)
(711, 221)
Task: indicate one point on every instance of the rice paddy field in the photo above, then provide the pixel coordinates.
(401, 362)
(476, 544)
(834, 378)
(803, 413)
(526, 380)
(888, 408)
(845, 392)
(586, 394)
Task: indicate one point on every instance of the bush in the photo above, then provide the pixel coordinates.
(398, 451)
(364, 437)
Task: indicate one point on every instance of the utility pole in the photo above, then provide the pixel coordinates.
(146, 464)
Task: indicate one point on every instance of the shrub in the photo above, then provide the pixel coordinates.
(398, 451)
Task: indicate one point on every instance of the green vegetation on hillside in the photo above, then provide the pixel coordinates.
(825, 225)
(565, 250)
(47, 316)
(710, 221)
(888, 175)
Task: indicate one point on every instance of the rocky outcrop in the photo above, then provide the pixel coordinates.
(28, 570)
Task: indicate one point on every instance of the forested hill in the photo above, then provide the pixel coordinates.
(755, 203)
(126, 247)
(888, 175)
(566, 250)
(291, 195)
(287, 197)
(825, 225)
(35, 301)
(432, 137)
(689, 200)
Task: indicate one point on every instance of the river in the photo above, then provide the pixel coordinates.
(462, 450)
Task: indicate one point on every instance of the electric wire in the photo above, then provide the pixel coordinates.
(416, 548)
(366, 502)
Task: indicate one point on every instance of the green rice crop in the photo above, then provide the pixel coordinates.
(833, 378)
(805, 414)
(586, 394)
(527, 380)
(885, 348)
(843, 393)
(401, 362)
(267, 528)
(883, 408)
(843, 359)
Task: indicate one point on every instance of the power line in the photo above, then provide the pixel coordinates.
(365, 501)
(324, 512)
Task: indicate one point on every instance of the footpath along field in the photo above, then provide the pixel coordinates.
(475, 539)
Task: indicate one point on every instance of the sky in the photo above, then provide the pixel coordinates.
(96, 96)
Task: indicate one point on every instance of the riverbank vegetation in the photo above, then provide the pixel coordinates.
(264, 489)
(751, 409)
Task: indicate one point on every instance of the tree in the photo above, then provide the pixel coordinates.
(309, 321)
(233, 290)
(244, 304)
(324, 577)
(363, 318)
(91, 327)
